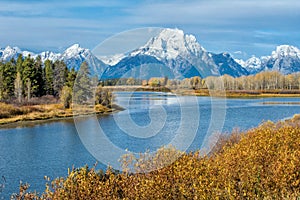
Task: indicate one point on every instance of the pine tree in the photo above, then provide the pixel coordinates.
(37, 81)
(60, 72)
(48, 67)
(19, 63)
(71, 78)
(8, 76)
(83, 86)
(1, 81)
(27, 75)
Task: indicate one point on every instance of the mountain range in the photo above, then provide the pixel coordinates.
(170, 53)
(285, 59)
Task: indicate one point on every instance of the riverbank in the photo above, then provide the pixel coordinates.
(11, 114)
(239, 93)
(206, 92)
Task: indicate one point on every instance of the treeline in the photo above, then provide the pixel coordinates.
(25, 78)
(269, 80)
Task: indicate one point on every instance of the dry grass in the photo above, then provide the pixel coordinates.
(237, 93)
(10, 113)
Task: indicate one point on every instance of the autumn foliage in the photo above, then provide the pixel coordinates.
(262, 163)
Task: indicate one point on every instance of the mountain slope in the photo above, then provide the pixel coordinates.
(227, 65)
(75, 55)
(137, 66)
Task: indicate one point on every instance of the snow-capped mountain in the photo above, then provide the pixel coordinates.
(73, 57)
(49, 55)
(170, 53)
(253, 65)
(177, 53)
(170, 44)
(9, 53)
(112, 59)
(227, 65)
(285, 59)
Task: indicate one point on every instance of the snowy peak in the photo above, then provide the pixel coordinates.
(169, 44)
(286, 51)
(74, 50)
(48, 55)
(9, 53)
(73, 56)
(253, 62)
(113, 59)
(285, 59)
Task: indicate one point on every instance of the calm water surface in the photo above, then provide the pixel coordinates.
(30, 151)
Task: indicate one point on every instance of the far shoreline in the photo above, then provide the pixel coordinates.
(205, 92)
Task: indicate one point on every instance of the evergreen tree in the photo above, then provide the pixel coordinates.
(8, 76)
(48, 68)
(71, 78)
(83, 86)
(1, 81)
(27, 75)
(60, 72)
(19, 63)
(37, 81)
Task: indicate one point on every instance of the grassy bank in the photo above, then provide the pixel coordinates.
(10, 113)
(206, 92)
(239, 93)
(262, 163)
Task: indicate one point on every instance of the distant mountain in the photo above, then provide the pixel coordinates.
(227, 65)
(170, 53)
(180, 52)
(75, 55)
(176, 53)
(72, 56)
(9, 53)
(285, 59)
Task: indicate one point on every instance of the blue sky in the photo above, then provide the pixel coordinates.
(241, 27)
